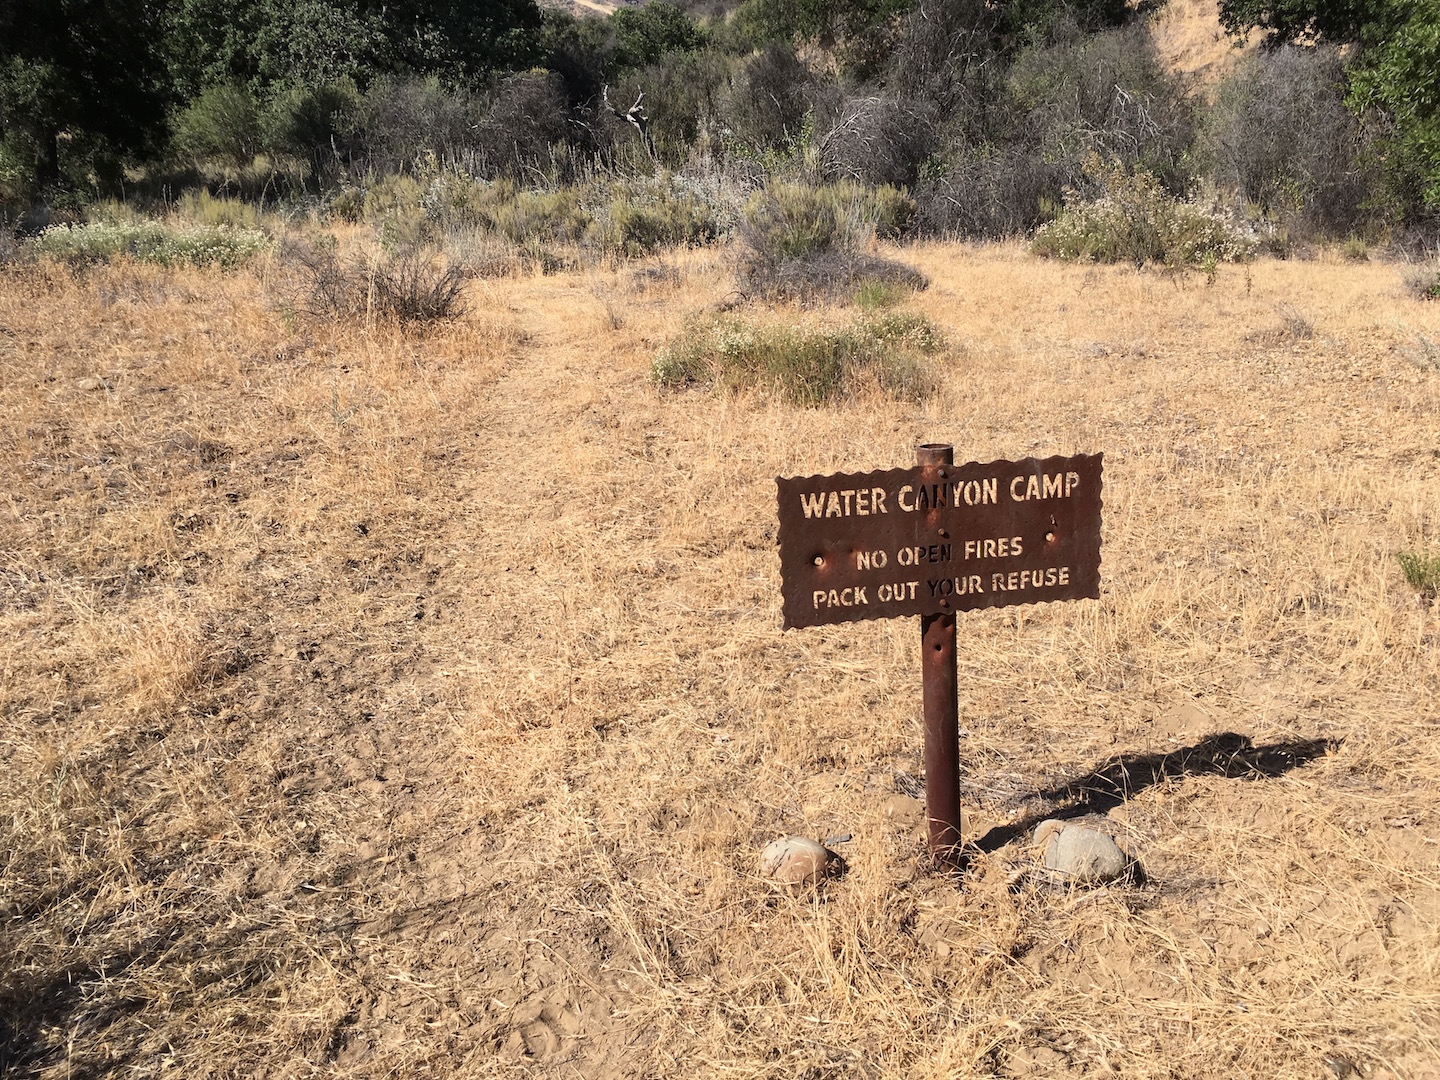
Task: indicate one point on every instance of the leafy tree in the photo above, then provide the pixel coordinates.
(830, 22)
(222, 123)
(1285, 22)
(643, 35)
(80, 79)
(1400, 73)
(578, 50)
(1022, 22)
(319, 42)
(861, 33)
(314, 124)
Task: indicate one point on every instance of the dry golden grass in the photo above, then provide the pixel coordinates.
(1193, 43)
(382, 704)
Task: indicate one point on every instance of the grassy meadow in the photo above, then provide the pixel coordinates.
(411, 700)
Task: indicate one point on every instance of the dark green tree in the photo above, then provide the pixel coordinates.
(265, 43)
(1283, 22)
(644, 35)
(80, 79)
(1400, 74)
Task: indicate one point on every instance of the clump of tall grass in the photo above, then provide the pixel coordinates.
(1421, 570)
(606, 216)
(1135, 219)
(805, 364)
(1423, 282)
(877, 295)
(413, 283)
(164, 243)
(217, 211)
(804, 242)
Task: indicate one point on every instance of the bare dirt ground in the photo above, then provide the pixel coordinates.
(403, 704)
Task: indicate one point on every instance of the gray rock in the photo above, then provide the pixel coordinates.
(1084, 855)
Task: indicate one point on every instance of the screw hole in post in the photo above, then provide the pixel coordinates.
(1049, 538)
(819, 560)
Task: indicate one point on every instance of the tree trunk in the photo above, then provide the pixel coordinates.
(47, 168)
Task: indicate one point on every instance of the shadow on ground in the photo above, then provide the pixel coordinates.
(1108, 786)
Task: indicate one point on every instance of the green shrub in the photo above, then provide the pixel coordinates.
(348, 204)
(1421, 571)
(545, 216)
(151, 241)
(619, 217)
(1355, 250)
(396, 208)
(873, 295)
(804, 241)
(642, 217)
(314, 125)
(397, 194)
(802, 364)
(797, 221)
(890, 209)
(223, 124)
(1136, 219)
(457, 201)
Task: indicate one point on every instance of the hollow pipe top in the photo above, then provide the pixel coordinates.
(934, 454)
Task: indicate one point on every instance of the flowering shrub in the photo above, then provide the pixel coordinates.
(151, 241)
(1137, 219)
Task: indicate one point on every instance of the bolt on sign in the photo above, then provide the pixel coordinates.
(933, 540)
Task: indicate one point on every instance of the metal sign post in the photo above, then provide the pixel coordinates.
(934, 540)
(942, 711)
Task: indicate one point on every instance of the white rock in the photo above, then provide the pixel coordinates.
(795, 860)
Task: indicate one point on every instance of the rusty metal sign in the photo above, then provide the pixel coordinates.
(938, 538)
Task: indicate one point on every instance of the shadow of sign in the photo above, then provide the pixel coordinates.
(27, 1010)
(1103, 789)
